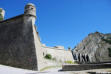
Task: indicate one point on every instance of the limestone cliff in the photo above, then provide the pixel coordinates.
(95, 48)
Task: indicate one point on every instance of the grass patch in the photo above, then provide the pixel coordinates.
(49, 67)
(70, 62)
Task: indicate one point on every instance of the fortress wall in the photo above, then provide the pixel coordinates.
(17, 47)
(39, 50)
(61, 55)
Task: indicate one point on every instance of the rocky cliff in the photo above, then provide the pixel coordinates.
(95, 48)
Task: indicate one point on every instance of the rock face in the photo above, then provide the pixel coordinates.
(95, 48)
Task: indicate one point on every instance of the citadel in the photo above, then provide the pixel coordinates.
(20, 45)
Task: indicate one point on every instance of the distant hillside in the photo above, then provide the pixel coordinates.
(95, 48)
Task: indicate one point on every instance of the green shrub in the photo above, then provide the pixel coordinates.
(48, 56)
(1, 17)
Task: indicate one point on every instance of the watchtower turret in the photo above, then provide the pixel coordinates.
(2, 13)
(30, 10)
(30, 13)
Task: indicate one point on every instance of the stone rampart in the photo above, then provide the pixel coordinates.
(17, 46)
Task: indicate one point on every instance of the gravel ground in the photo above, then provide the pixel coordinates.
(12, 70)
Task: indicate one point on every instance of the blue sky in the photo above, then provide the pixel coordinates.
(65, 22)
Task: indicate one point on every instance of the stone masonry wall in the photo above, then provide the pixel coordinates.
(60, 55)
(17, 47)
(38, 48)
